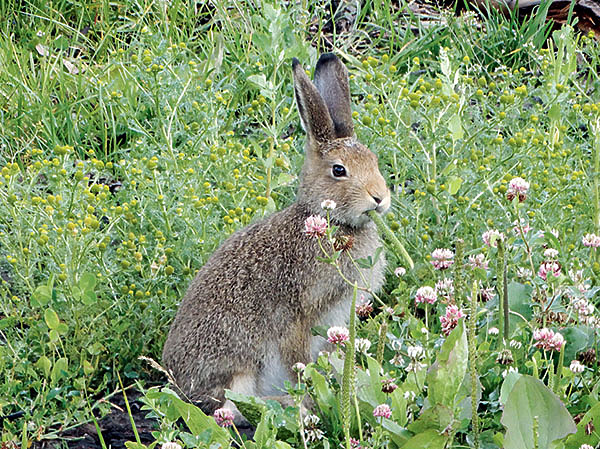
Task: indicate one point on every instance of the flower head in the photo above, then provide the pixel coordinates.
(170, 445)
(517, 187)
(415, 352)
(388, 386)
(315, 226)
(328, 205)
(338, 335)
(576, 367)
(591, 240)
(443, 258)
(547, 339)
(364, 308)
(478, 261)
(550, 254)
(426, 294)
(549, 267)
(362, 345)
(382, 411)
(445, 288)
(491, 237)
(298, 367)
(400, 271)
(311, 429)
(521, 224)
(224, 417)
(493, 331)
(450, 319)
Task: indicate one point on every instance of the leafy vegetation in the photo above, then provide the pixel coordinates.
(136, 137)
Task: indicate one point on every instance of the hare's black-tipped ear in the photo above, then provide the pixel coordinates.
(313, 111)
(331, 80)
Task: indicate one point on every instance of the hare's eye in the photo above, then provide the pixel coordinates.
(338, 170)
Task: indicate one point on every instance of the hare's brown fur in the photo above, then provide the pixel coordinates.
(246, 317)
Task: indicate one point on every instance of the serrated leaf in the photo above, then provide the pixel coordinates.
(51, 318)
(530, 399)
(448, 371)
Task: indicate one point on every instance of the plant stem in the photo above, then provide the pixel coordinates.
(391, 237)
(459, 279)
(348, 374)
(473, 364)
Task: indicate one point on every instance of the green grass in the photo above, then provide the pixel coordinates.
(134, 138)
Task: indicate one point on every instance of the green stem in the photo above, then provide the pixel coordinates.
(391, 237)
(459, 278)
(473, 364)
(559, 366)
(348, 374)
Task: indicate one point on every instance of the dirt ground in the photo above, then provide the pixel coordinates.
(115, 428)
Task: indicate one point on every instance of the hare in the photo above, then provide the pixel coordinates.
(246, 318)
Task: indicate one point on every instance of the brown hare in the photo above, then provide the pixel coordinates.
(246, 317)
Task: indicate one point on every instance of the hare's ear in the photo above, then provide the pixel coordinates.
(313, 111)
(331, 80)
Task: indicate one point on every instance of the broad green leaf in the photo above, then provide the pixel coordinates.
(59, 370)
(375, 379)
(437, 418)
(429, 439)
(530, 399)
(44, 364)
(252, 408)
(578, 338)
(134, 445)
(265, 432)
(454, 183)
(447, 373)
(41, 296)
(87, 282)
(581, 436)
(51, 318)
(198, 422)
(323, 396)
(88, 368)
(455, 127)
(519, 299)
(88, 297)
(399, 414)
(509, 382)
(398, 434)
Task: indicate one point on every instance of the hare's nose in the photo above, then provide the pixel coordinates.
(376, 199)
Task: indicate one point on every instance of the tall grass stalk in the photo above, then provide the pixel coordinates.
(348, 374)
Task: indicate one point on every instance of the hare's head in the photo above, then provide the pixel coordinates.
(337, 166)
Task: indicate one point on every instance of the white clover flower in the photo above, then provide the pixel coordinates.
(576, 367)
(362, 345)
(493, 331)
(415, 352)
(515, 344)
(551, 253)
(328, 205)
